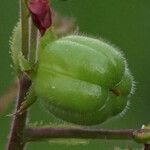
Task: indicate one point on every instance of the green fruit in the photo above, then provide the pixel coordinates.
(82, 80)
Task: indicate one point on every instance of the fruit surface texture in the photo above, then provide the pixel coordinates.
(83, 80)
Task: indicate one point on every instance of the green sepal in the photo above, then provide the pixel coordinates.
(15, 46)
(48, 37)
(24, 64)
(26, 67)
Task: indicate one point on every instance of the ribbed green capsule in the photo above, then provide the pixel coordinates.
(82, 80)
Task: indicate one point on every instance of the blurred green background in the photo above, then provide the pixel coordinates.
(125, 23)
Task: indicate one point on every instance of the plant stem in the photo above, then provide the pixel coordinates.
(33, 43)
(19, 121)
(24, 27)
(36, 134)
(39, 134)
(16, 137)
(147, 147)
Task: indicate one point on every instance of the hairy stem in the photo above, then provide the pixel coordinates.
(16, 136)
(40, 134)
(24, 28)
(19, 121)
(36, 134)
(33, 43)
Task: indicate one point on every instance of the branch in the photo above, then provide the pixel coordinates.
(38, 134)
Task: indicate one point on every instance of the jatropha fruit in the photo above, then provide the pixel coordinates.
(80, 79)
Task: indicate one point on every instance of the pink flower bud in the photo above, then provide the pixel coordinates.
(41, 14)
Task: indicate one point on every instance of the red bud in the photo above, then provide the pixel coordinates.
(41, 14)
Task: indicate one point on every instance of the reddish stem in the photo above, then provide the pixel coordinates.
(147, 147)
(16, 141)
(38, 134)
